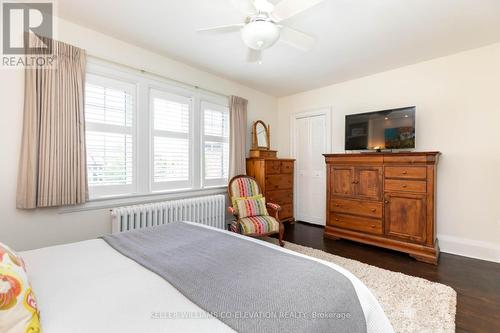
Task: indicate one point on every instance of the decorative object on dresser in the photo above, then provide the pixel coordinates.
(261, 140)
(274, 175)
(385, 199)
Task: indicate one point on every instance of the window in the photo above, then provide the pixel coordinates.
(171, 140)
(147, 135)
(215, 144)
(109, 115)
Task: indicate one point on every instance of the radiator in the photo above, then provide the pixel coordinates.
(209, 210)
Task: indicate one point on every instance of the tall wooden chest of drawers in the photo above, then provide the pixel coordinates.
(384, 199)
(275, 178)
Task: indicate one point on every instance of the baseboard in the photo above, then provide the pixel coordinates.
(311, 224)
(469, 248)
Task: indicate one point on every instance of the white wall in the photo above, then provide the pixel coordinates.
(32, 229)
(458, 113)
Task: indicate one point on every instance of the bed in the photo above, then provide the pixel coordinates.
(91, 287)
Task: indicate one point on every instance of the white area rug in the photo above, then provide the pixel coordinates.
(412, 304)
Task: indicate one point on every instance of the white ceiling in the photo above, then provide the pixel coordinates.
(354, 37)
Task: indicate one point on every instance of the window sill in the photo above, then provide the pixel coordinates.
(127, 200)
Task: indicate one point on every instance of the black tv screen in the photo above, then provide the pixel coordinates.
(387, 129)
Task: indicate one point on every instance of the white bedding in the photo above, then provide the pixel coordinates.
(90, 287)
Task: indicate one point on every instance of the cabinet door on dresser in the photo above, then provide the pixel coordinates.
(368, 181)
(405, 216)
(341, 181)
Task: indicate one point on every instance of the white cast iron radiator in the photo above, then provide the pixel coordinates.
(209, 210)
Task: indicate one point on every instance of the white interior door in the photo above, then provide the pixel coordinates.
(310, 142)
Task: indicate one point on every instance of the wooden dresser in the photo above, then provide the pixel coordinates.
(384, 199)
(275, 178)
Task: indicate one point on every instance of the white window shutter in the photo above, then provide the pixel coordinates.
(172, 137)
(109, 117)
(215, 144)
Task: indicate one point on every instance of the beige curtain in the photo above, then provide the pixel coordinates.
(237, 136)
(52, 168)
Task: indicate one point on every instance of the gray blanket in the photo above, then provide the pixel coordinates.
(249, 287)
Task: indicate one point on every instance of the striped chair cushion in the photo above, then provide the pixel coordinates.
(244, 187)
(256, 225)
(235, 201)
(251, 207)
(234, 227)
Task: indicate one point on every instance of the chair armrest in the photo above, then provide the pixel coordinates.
(232, 211)
(276, 208)
(273, 206)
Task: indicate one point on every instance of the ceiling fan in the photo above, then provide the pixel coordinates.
(262, 28)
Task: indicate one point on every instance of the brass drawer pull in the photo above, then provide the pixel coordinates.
(405, 172)
(405, 186)
(374, 210)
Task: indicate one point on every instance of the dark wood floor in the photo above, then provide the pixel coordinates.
(476, 282)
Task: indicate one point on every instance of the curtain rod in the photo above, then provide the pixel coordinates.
(157, 75)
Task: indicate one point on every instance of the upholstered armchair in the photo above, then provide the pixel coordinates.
(255, 221)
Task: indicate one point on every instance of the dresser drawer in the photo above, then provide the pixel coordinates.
(286, 212)
(408, 159)
(279, 182)
(397, 185)
(406, 172)
(362, 224)
(356, 207)
(273, 167)
(287, 167)
(281, 197)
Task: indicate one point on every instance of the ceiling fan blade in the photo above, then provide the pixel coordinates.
(246, 7)
(254, 55)
(263, 6)
(223, 28)
(288, 8)
(296, 38)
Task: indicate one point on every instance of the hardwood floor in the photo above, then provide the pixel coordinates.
(476, 282)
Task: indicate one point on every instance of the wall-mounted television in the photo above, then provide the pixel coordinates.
(381, 130)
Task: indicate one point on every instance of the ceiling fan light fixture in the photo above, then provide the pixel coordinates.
(260, 35)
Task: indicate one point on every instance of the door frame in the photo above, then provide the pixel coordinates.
(321, 111)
